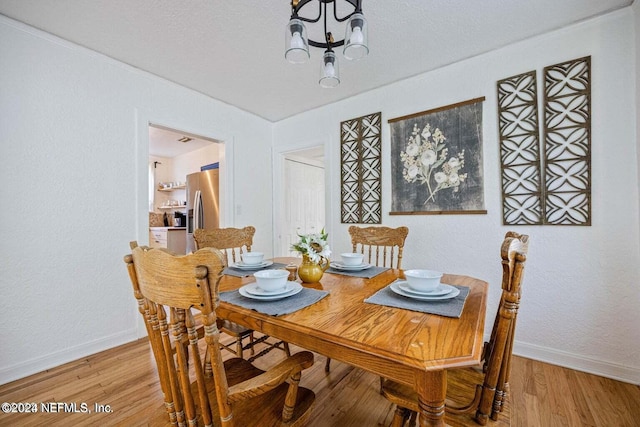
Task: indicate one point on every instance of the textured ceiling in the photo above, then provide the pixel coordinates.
(233, 50)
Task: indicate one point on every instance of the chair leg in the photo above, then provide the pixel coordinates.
(399, 417)
(327, 365)
(208, 369)
(412, 419)
(286, 348)
(239, 347)
(499, 402)
(253, 351)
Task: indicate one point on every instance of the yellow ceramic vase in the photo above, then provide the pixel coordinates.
(311, 272)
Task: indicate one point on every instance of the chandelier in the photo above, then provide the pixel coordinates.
(354, 42)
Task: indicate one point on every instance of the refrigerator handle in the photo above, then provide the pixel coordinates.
(196, 210)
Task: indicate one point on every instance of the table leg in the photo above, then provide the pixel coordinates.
(432, 390)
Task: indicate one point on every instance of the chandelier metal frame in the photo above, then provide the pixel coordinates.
(329, 43)
(355, 39)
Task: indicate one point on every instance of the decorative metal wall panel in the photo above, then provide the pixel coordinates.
(520, 150)
(567, 143)
(554, 187)
(361, 159)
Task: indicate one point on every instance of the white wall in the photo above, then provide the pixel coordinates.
(581, 289)
(636, 12)
(74, 150)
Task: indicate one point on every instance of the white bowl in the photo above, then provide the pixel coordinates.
(252, 258)
(423, 280)
(351, 258)
(271, 280)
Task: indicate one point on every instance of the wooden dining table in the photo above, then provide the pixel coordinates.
(410, 347)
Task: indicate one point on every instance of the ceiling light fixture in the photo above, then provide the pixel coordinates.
(354, 42)
(185, 139)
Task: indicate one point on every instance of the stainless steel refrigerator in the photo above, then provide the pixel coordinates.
(203, 210)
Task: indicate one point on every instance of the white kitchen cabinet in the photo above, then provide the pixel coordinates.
(172, 238)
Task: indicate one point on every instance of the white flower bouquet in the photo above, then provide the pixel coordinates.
(314, 246)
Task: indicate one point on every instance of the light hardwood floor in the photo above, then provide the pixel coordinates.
(124, 378)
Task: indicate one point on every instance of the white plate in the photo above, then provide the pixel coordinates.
(242, 266)
(340, 266)
(442, 289)
(395, 288)
(254, 289)
(297, 287)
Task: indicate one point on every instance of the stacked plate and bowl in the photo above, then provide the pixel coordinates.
(270, 285)
(252, 261)
(350, 261)
(424, 285)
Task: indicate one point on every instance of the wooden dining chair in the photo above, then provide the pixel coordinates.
(381, 246)
(233, 242)
(484, 388)
(168, 288)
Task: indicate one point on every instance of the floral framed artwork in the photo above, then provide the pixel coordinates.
(436, 161)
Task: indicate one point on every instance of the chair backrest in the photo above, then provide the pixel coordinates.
(498, 351)
(167, 287)
(382, 246)
(231, 241)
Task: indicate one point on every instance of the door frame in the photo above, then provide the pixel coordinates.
(278, 157)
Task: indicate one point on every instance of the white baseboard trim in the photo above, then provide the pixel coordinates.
(33, 366)
(579, 363)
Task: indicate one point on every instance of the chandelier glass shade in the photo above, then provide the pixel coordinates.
(297, 44)
(355, 41)
(329, 70)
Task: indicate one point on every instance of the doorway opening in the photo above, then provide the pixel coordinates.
(174, 155)
(303, 191)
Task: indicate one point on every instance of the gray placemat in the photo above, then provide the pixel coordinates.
(238, 272)
(449, 307)
(367, 273)
(302, 299)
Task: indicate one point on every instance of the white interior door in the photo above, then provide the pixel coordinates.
(303, 201)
